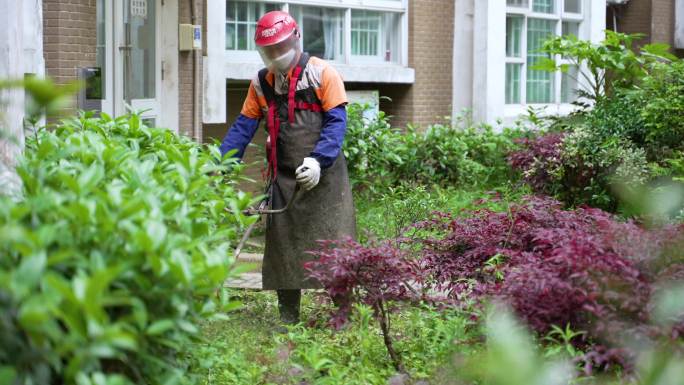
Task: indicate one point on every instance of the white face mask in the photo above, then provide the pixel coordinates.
(283, 62)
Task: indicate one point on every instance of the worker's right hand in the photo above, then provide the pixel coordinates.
(308, 174)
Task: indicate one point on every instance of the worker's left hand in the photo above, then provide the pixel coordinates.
(308, 174)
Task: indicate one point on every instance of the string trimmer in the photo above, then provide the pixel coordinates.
(261, 210)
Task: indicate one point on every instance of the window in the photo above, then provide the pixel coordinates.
(539, 83)
(569, 85)
(573, 6)
(517, 3)
(365, 33)
(528, 25)
(543, 6)
(374, 33)
(241, 19)
(322, 31)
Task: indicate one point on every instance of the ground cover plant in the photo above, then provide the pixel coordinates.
(112, 254)
(245, 349)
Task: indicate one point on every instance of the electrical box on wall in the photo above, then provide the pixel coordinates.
(189, 37)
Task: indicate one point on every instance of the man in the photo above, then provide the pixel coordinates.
(303, 100)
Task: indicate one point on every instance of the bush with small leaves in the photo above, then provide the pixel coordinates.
(114, 252)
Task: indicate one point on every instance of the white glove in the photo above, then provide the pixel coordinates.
(309, 173)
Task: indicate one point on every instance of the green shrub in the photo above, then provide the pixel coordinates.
(456, 154)
(113, 254)
(449, 155)
(631, 137)
(370, 146)
(604, 67)
(663, 110)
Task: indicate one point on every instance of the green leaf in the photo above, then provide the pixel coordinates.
(90, 177)
(7, 375)
(29, 273)
(188, 326)
(160, 327)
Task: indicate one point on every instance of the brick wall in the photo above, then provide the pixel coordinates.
(654, 18)
(70, 37)
(431, 37)
(429, 99)
(663, 21)
(185, 71)
(635, 17)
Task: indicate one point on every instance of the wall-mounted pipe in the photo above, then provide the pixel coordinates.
(196, 126)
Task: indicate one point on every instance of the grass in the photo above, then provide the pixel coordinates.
(252, 352)
(380, 216)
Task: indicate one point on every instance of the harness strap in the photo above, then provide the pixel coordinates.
(273, 120)
(302, 105)
(273, 131)
(291, 93)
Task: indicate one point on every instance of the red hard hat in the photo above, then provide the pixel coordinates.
(273, 28)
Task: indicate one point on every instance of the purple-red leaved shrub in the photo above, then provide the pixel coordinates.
(537, 159)
(581, 267)
(353, 273)
(584, 268)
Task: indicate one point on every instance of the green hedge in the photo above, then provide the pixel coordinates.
(457, 154)
(113, 254)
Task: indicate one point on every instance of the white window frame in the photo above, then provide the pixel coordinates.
(559, 16)
(398, 6)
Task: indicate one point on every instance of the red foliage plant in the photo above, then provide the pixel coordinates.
(537, 158)
(580, 267)
(352, 273)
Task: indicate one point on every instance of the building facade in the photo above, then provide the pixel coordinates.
(128, 53)
(661, 21)
(431, 59)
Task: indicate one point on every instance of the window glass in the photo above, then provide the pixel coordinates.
(241, 19)
(571, 28)
(322, 31)
(140, 64)
(569, 85)
(513, 83)
(392, 39)
(540, 87)
(365, 33)
(543, 6)
(376, 35)
(517, 3)
(573, 6)
(514, 25)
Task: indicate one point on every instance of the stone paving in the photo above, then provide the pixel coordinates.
(245, 281)
(249, 280)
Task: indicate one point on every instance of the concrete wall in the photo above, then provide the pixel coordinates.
(21, 53)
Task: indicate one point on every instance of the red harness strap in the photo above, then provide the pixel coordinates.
(302, 105)
(273, 131)
(291, 94)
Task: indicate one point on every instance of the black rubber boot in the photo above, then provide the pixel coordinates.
(288, 305)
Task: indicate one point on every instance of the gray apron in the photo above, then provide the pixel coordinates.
(324, 213)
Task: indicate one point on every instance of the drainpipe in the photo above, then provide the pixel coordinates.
(615, 6)
(196, 128)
